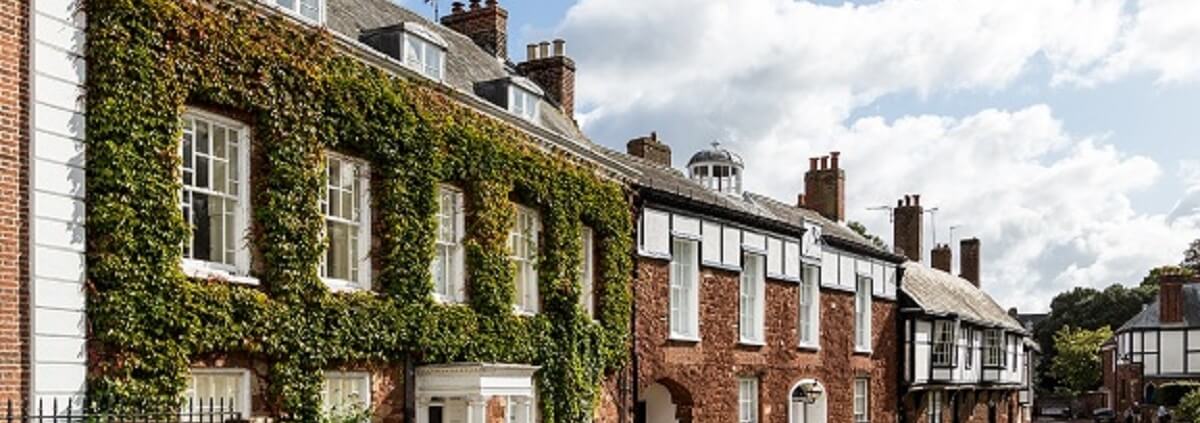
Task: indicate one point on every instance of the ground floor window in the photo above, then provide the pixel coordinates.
(933, 407)
(346, 393)
(748, 400)
(862, 389)
(218, 391)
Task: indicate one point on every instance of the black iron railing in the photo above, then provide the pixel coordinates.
(212, 410)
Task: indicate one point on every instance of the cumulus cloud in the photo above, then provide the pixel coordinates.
(779, 80)
(1159, 38)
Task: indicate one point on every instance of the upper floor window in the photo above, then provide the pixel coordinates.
(684, 295)
(809, 306)
(993, 348)
(862, 393)
(215, 200)
(943, 343)
(447, 266)
(313, 10)
(587, 272)
(522, 102)
(424, 51)
(862, 314)
(750, 310)
(346, 205)
(345, 393)
(523, 245)
(218, 390)
(748, 400)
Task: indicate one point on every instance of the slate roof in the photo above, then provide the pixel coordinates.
(466, 63)
(830, 230)
(938, 292)
(1149, 317)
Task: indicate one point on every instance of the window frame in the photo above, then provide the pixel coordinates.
(862, 415)
(993, 349)
(426, 46)
(969, 348)
(294, 10)
(689, 312)
(810, 317)
(748, 400)
(528, 97)
(242, 405)
(587, 271)
(942, 343)
(528, 304)
(456, 286)
(751, 299)
(862, 314)
(363, 377)
(239, 272)
(363, 237)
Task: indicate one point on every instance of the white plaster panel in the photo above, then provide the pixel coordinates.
(656, 237)
(774, 256)
(754, 241)
(58, 178)
(711, 242)
(829, 269)
(69, 11)
(791, 256)
(58, 93)
(685, 226)
(56, 62)
(1151, 364)
(847, 274)
(52, 349)
(53, 378)
(1193, 339)
(731, 248)
(59, 121)
(1151, 341)
(1172, 352)
(1194, 362)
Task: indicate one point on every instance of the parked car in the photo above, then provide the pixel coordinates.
(1104, 415)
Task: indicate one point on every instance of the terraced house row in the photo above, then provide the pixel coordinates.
(307, 208)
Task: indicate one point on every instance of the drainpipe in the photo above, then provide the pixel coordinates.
(902, 348)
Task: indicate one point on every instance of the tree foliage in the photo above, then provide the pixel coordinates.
(861, 229)
(1191, 256)
(1189, 407)
(1077, 365)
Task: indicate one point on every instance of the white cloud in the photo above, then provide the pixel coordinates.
(778, 79)
(1160, 38)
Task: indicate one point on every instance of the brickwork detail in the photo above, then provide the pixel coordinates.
(968, 250)
(486, 25)
(14, 200)
(941, 258)
(707, 371)
(650, 148)
(556, 76)
(825, 187)
(908, 227)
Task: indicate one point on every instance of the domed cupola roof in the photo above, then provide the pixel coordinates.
(716, 154)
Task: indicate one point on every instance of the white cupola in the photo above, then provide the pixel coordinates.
(718, 169)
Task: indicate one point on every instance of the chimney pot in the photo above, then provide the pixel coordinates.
(941, 257)
(456, 7)
(654, 135)
(833, 158)
(487, 27)
(651, 149)
(824, 162)
(531, 52)
(812, 163)
(825, 189)
(800, 200)
(475, 5)
(560, 48)
(492, 3)
(916, 199)
(544, 49)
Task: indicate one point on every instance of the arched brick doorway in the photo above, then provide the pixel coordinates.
(666, 401)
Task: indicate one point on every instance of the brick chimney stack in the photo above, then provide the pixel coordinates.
(1171, 297)
(553, 71)
(650, 148)
(486, 25)
(908, 228)
(825, 187)
(941, 257)
(968, 250)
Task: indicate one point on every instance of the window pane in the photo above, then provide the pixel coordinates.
(310, 9)
(414, 50)
(344, 192)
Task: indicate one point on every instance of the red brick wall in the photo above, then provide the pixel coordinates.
(707, 371)
(972, 406)
(14, 199)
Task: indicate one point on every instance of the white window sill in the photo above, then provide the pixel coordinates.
(342, 285)
(809, 347)
(200, 270)
(447, 300)
(751, 343)
(517, 310)
(860, 350)
(683, 338)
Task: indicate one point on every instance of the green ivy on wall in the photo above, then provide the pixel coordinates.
(149, 60)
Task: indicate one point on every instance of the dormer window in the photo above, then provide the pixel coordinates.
(522, 103)
(424, 51)
(313, 10)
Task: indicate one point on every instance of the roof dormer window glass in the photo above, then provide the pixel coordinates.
(423, 55)
(522, 103)
(313, 10)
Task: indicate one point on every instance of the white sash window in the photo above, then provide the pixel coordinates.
(447, 267)
(215, 199)
(684, 296)
(346, 205)
(523, 245)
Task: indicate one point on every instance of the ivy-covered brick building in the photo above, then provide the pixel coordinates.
(304, 208)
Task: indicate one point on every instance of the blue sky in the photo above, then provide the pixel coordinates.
(1063, 134)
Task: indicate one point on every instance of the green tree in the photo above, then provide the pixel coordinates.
(860, 229)
(1077, 365)
(1189, 408)
(1191, 256)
